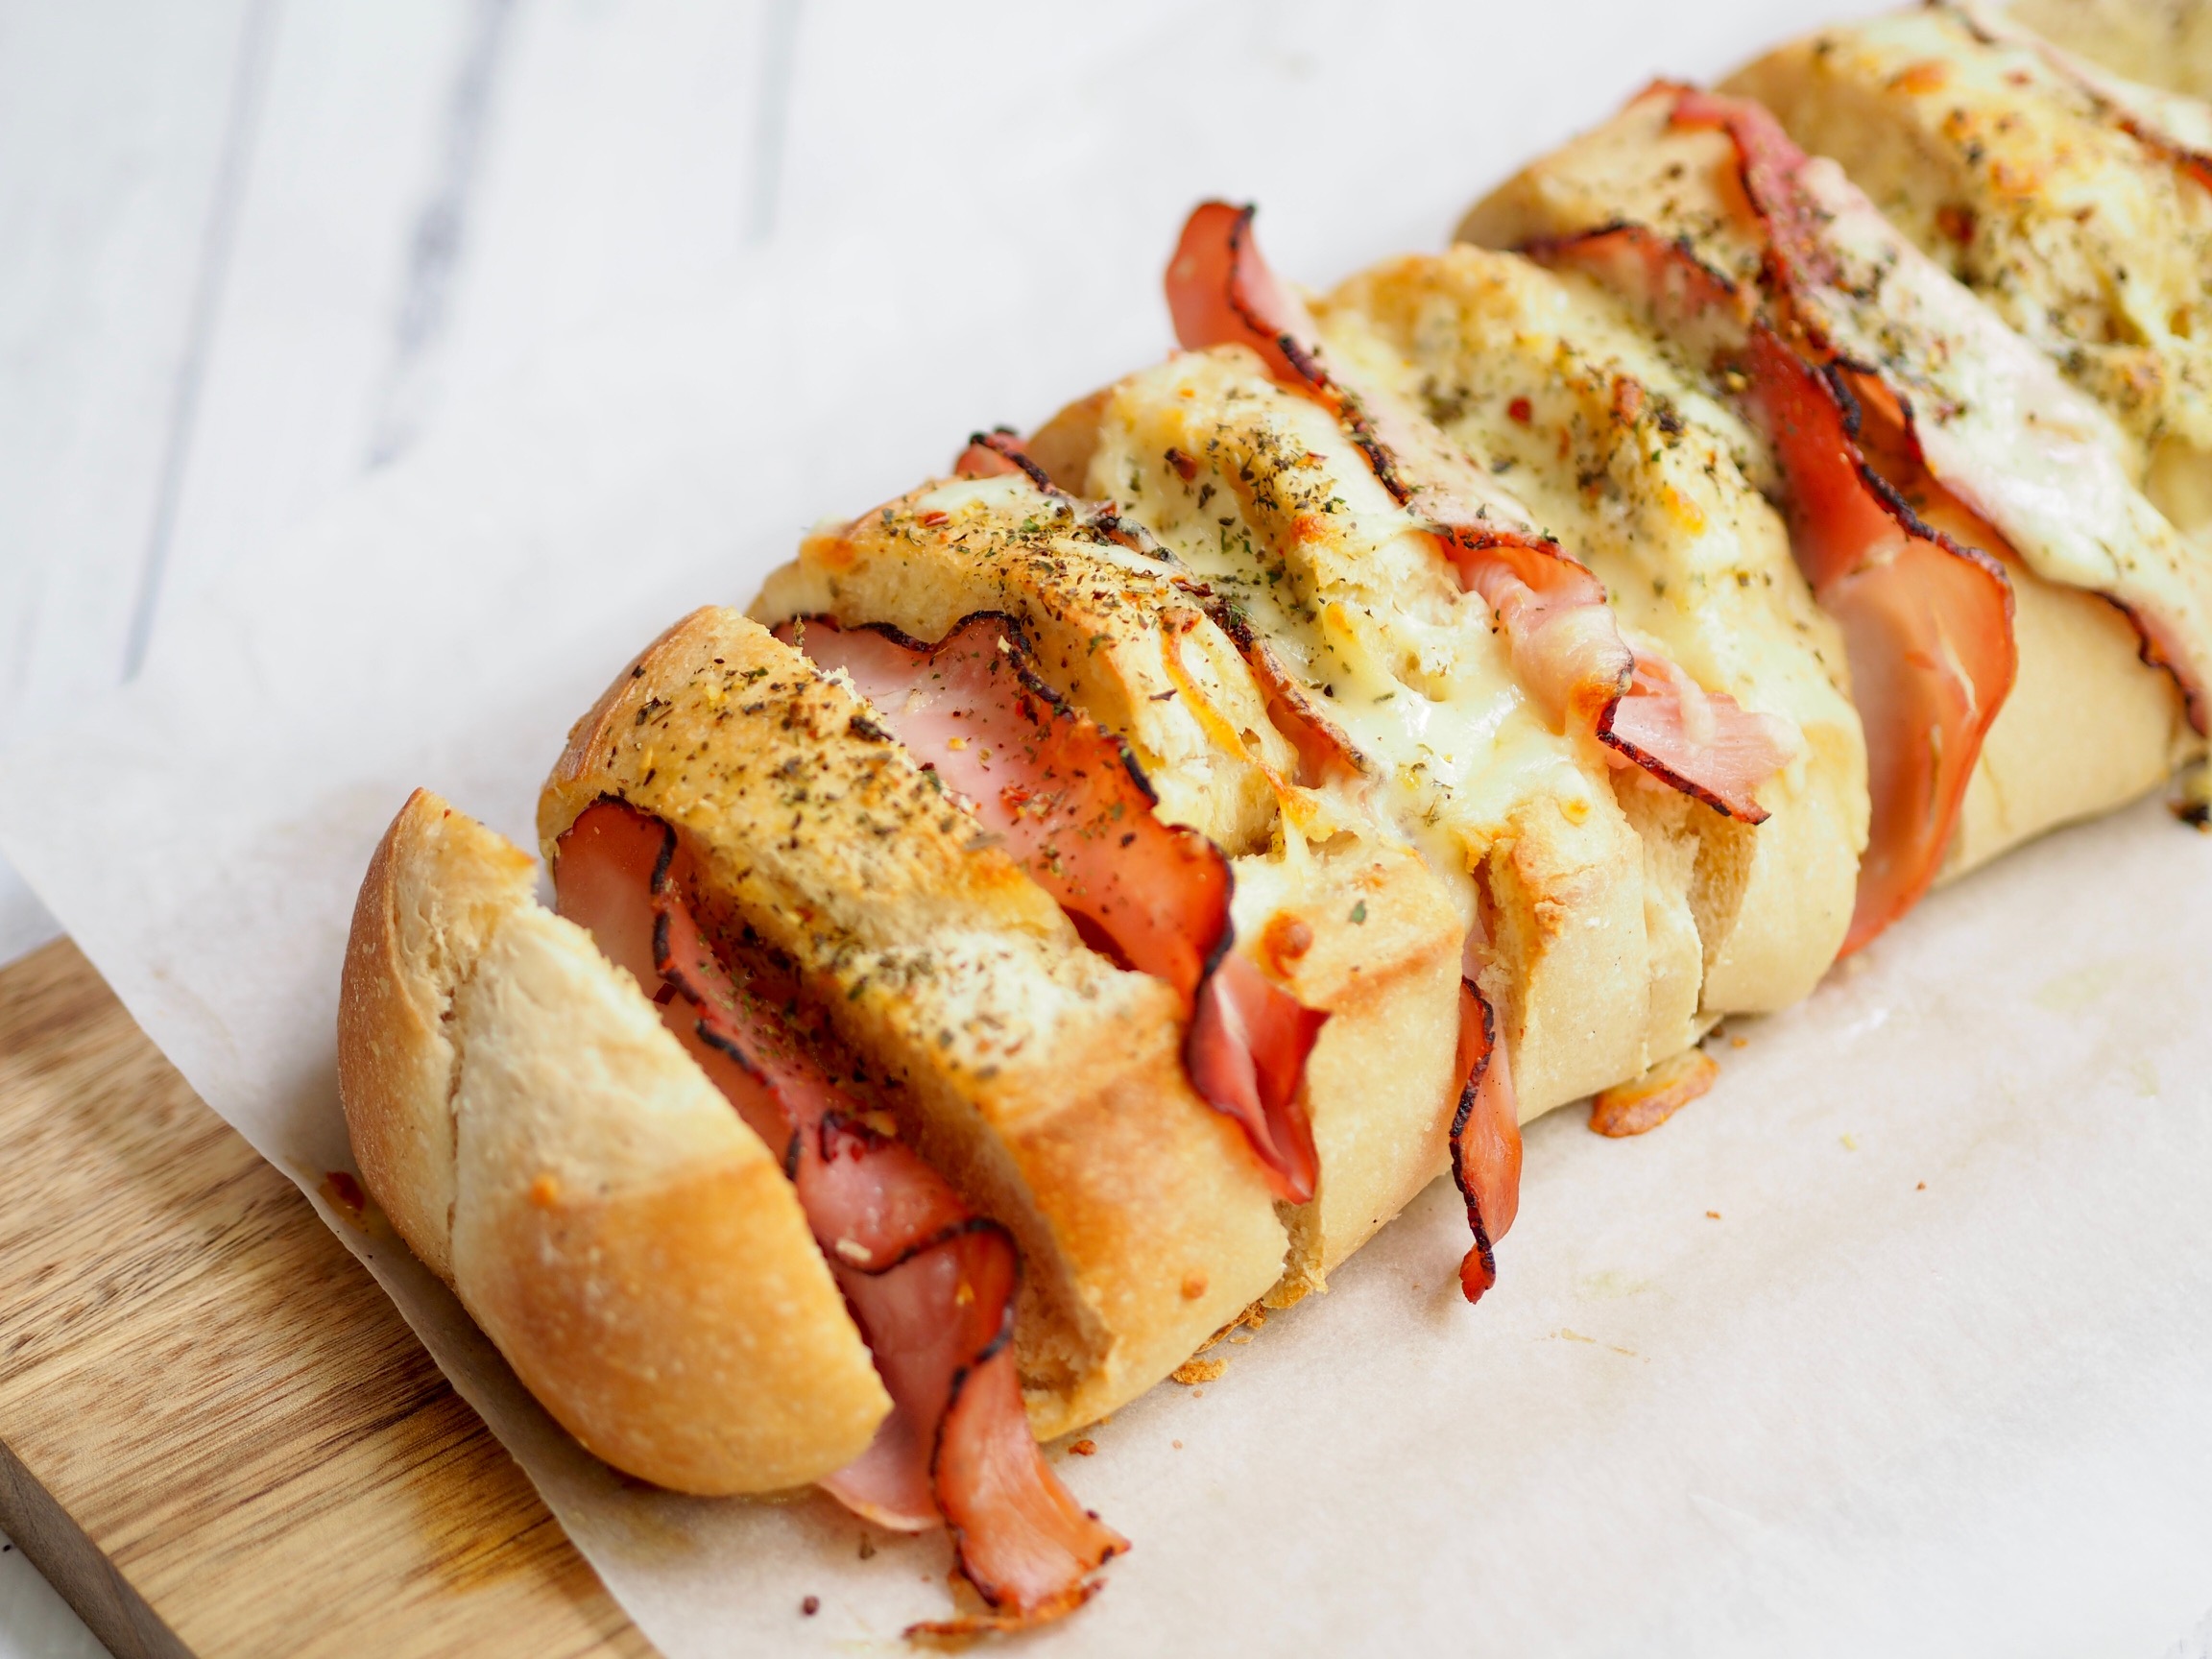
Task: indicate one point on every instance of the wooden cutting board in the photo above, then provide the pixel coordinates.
(217, 1437)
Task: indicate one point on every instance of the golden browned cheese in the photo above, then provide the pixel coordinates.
(1125, 638)
(2088, 727)
(1046, 1083)
(2162, 43)
(541, 1141)
(2033, 191)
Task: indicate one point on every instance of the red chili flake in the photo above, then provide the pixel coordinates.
(1520, 410)
(932, 518)
(1955, 222)
(1185, 466)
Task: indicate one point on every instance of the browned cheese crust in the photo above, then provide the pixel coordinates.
(540, 1142)
(1046, 1083)
(2088, 726)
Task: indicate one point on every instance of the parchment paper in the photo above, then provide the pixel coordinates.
(1899, 1342)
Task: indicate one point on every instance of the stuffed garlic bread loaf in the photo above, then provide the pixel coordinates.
(2079, 209)
(1544, 381)
(1046, 1083)
(1330, 906)
(2053, 635)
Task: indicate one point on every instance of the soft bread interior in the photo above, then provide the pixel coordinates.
(1044, 1081)
(1123, 636)
(541, 1141)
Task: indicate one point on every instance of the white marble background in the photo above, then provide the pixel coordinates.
(254, 250)
(251, 250)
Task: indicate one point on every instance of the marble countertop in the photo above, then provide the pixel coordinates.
(250, 250)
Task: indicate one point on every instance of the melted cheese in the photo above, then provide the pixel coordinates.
(1259, 491)
(1543, 379)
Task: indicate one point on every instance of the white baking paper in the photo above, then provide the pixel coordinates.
(1900, 1342)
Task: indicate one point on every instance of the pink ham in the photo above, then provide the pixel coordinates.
(1076, 814)
(1485, 1127)
(931, 1285)
(1927, 621)
(1566, 647)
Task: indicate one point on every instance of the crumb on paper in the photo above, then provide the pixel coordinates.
(1712, 1214)
(1641, 1104)
(1849, 1142)
(867, 1548)
(1176, 1444)
(810, 1606)
(1254, 1315)
(1919, 1185)
(1193, 1371)
(1084, 1447)
(1738, 1042)
(1574, 1336)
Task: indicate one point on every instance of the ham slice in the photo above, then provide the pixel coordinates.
(1926, 620)
(1485, 1131)
(1990, 417)
(1001, 453)
(1566, 647)
(1076, 813)
(930, 1285)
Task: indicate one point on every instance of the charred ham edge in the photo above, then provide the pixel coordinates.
(999, 453)
(1801, 264)
(1565, 644)
(1074, 810)
(1324, 751)
(1485, 1130)
(930, 1285)
(2120, 100)
(1926, 620)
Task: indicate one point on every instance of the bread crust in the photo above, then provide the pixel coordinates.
(2087, 727)
(545, 1144)
(1119, 636)
(1044, 1082)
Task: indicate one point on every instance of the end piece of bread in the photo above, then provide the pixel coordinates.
(541, 1142)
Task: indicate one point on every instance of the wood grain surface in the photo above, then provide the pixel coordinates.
(217, 1437)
